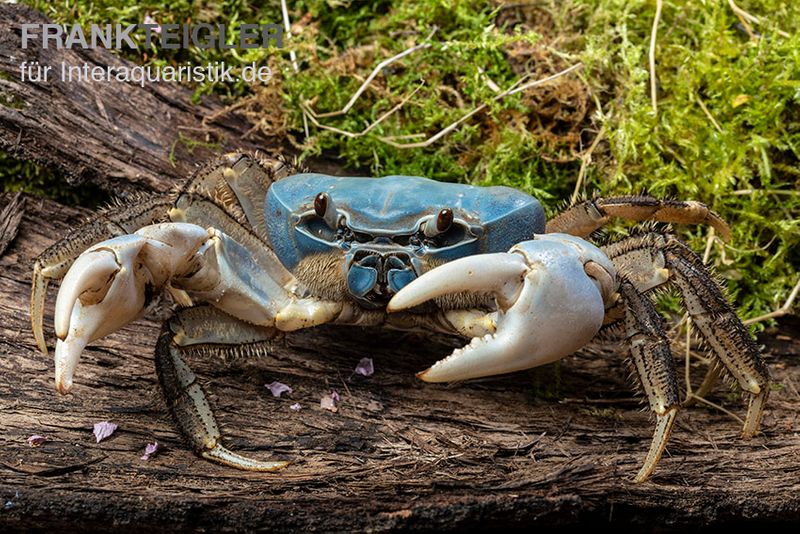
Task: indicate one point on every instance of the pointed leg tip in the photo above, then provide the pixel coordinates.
(42, 346)
(643, 475)
(755, 411)
(220, 455)
(422, 375)
(663, 429)
(63, 386)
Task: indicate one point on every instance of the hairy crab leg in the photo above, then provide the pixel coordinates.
(548, 304)
(655, 367)
(204, 329)
(238, 183)
(648, 258)
(585, 217)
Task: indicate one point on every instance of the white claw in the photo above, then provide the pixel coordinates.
(98, 295)
(90, 278)
(548, 307)
(105, 289)
(501, 274)
(108, 285)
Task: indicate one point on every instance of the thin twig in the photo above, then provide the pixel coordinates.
(489, 82)
(745, 18)
(366, 130)
(780, 312)
(382, 65)
(708, 114)
(586, 159)
(748, 192)
(718, 407)
(510, 91)
(292, 55)
(688, 359)
(287, 27)
(652, 55)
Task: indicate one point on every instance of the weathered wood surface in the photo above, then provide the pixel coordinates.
(117, 135)
(398, 454)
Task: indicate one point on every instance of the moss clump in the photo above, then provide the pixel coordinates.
(727, 129)
(18, 175)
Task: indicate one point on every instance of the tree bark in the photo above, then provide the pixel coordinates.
(552, 446)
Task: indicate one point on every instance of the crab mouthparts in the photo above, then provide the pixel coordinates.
(373, 277)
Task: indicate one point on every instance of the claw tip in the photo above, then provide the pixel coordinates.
(63, 386)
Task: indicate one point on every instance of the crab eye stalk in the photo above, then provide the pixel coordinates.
(439, 224)
(325, 209)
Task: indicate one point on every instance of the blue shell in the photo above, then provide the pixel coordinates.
(500, 216)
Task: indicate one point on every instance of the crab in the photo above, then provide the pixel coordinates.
(250, 248)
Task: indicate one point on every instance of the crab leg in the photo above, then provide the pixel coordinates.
(652, 259)
(203, 328)
(548, 305)
(655, 367)
(584, 218)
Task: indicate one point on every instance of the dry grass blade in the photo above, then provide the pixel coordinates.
(780, 312)
(652, 55)
(382, 65)
(353, 135)
(510, 91)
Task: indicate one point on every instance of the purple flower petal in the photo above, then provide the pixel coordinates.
(103, 430)
(328, 402)
(296, 407)
(278, 388)
(36, 440)
(365, 367)
(150, 450)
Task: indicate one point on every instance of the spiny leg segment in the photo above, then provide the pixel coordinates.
(652, 259)
(655, 367)
(590, 215)
(204, 329)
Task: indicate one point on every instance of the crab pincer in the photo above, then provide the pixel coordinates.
(109, 286)
(551, 294)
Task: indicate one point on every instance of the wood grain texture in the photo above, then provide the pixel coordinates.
(117, 135)
(550, 446)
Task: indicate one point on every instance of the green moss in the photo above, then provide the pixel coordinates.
(11, 101)
(727, 130)
(18, 175)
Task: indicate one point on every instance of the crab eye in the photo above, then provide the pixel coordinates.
(321, 204)
(440, 224)
(444, 220)
(325, 209)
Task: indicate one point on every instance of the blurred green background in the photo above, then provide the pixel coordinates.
(726, 130)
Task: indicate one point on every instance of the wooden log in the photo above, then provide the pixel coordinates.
(120, 136)
(551, 446)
